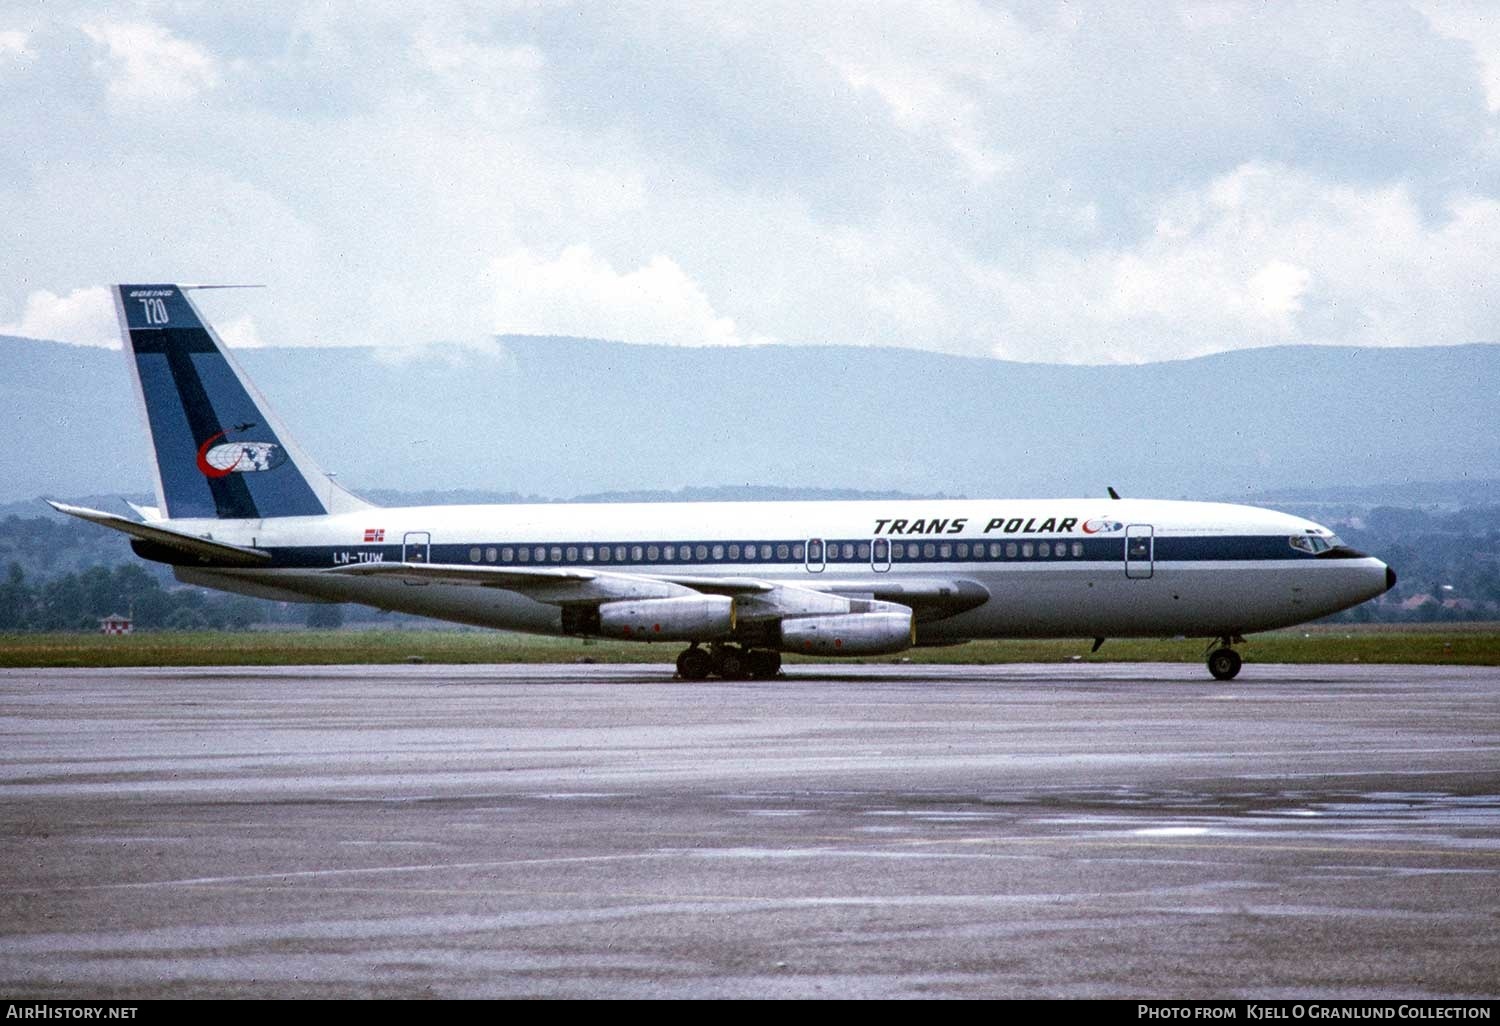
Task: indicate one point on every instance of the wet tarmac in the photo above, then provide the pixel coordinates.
(867, 831)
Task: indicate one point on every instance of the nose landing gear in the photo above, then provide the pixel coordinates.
(1224, 662)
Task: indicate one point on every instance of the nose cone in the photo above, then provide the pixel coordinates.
(1390, 578)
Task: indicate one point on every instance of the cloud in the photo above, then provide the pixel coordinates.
(145, 63)
(16, 43)
(238, 332)
(84, 317)
(1265, 254)
(939, 75)
(1069, 182)
(1476, 25)
(580, 294)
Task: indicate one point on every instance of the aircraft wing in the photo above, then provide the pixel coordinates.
(553, 585)
(757, 598)
(931, 598)
(517, 579)
(156, 534)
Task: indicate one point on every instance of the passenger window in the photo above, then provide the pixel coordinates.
(652, 552)
(1010, 550)
(782, 552)
(572, 553)
(604, 553)
(525, 555)
(718, 552)
(588, 553)
(1044, 549)
(507, 554)
(668, 552)
(1077, 550)
(734, 552)
(864, 551)
(637, 553)
(963, 550)
(815, 551)
(1026, 550)
(849, 550)
(929, 550)
(490, 555)
(685, 553)
(945, 551)
(620, 554)
(556, 554)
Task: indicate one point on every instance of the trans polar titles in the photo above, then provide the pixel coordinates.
(242, 508)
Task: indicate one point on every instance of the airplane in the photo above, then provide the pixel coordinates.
(241, 507)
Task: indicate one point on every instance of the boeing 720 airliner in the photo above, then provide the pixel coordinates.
(242, 508)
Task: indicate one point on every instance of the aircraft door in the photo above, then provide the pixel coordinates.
(416, 547)
(1140, 552)
(880, 555)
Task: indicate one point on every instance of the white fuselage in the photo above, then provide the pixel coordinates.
(1040, 568)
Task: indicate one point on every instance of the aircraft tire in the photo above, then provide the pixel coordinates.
(1224, 663)
(730, 663)
(694, 664)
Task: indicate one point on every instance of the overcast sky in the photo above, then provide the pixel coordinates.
(1084, 182)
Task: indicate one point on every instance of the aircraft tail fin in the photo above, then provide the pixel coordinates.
(220, 450)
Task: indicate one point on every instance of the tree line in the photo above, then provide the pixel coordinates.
(78, 600)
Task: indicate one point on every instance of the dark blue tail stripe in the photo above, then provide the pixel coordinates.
(196, 401)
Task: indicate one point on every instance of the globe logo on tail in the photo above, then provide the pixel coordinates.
(225, 457)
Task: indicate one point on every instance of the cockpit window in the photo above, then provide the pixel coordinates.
(1313, 543)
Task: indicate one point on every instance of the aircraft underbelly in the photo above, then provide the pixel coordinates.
(1188, 598)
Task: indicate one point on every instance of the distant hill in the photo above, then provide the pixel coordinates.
(560, 417)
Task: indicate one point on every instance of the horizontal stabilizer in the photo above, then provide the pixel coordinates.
(192, 544)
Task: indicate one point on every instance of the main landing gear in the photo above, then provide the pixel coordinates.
(1224, 662)
(731, 662)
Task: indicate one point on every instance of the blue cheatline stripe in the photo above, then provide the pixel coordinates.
(790, 553)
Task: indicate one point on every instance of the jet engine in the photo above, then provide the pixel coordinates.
(849, 634)
(686, 618)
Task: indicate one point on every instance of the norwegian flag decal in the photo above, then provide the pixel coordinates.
(374, 534)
